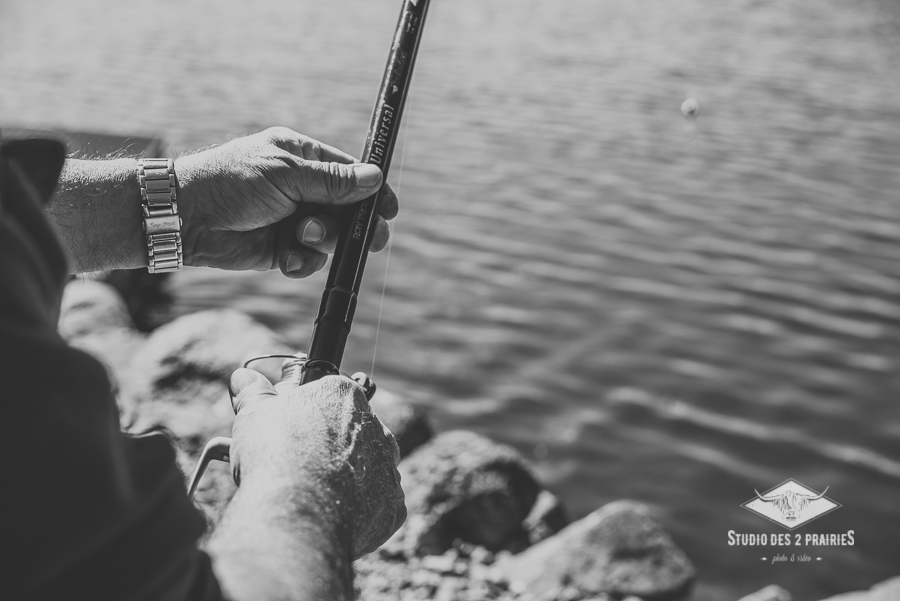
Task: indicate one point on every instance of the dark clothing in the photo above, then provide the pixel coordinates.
(87, 511)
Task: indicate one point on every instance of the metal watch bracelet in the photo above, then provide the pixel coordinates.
(162, 225)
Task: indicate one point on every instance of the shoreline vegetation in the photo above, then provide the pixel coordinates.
(480, 525)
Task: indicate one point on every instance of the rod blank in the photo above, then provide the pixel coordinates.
(338, 305)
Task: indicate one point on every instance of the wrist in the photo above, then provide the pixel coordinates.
(273, 542)
(324, 500)
(97, 214)
(186, 176)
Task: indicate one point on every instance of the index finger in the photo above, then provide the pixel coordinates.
(246, 384)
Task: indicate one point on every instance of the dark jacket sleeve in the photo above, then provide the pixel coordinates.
(87, 512)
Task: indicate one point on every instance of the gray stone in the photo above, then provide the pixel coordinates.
(89, 307)
(444, 564)
(547, 517)
(409, 424)
(189, 360)
(461, 485)
(618, 549)
(180, 382)
(94, 319)
(773, 592)
(145, 295)
(889, 590)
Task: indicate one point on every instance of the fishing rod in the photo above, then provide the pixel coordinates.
(338, 306)
(332, 325)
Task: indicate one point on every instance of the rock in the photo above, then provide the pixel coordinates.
(94, 319)
(89, 307)
(425, 580)
(889, 590)
(447, 590)
(482, 556)
(443, 564)
(450, 575)
(408, 423)
(464, 486)
(145, 295)
(189, 360)
(568, 593)
(180, 382)
(773, 592)
(547, 517)
(618, 549)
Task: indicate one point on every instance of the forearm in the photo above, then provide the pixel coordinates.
(274, 543)
(97, 215)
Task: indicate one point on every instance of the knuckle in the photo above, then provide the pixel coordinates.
(279, 132)
(309, 148)
(395, 448)
(343, 387)
(339, 180)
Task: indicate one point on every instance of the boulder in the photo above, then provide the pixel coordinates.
(89, 307)
(190, 359)
(773, 592)
(181, 373)
(180, 382)
(94, 318)
(145, 295)
(618, 549)
(547, 517)
(408, 423)
(889, 590)
(461, 485)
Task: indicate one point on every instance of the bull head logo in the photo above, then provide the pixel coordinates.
(790, 503)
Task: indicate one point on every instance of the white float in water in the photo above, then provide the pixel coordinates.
(690, 107)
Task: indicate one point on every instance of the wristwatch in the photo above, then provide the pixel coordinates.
(162, 225)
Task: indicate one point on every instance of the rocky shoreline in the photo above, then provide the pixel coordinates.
(480, 525)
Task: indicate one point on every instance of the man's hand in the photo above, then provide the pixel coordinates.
(258, 202)
(318, 486)
(323, 441)
(262, 201)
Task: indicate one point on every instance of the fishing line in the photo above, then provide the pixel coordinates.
(334, 318)
(387, 262)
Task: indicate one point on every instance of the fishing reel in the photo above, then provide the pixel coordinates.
(292, 372)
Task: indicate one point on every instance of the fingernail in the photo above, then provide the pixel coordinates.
(313, 233)
(367, 175)
(240, 379)
(294, 263)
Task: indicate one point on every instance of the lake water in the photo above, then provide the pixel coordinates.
(649, 307)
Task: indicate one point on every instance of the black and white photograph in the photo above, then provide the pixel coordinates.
(451, 300)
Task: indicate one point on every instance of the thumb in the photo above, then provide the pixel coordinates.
(246, 385)
(291, 372)
(337, 183)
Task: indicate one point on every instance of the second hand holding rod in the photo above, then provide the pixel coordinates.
(338, 305)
